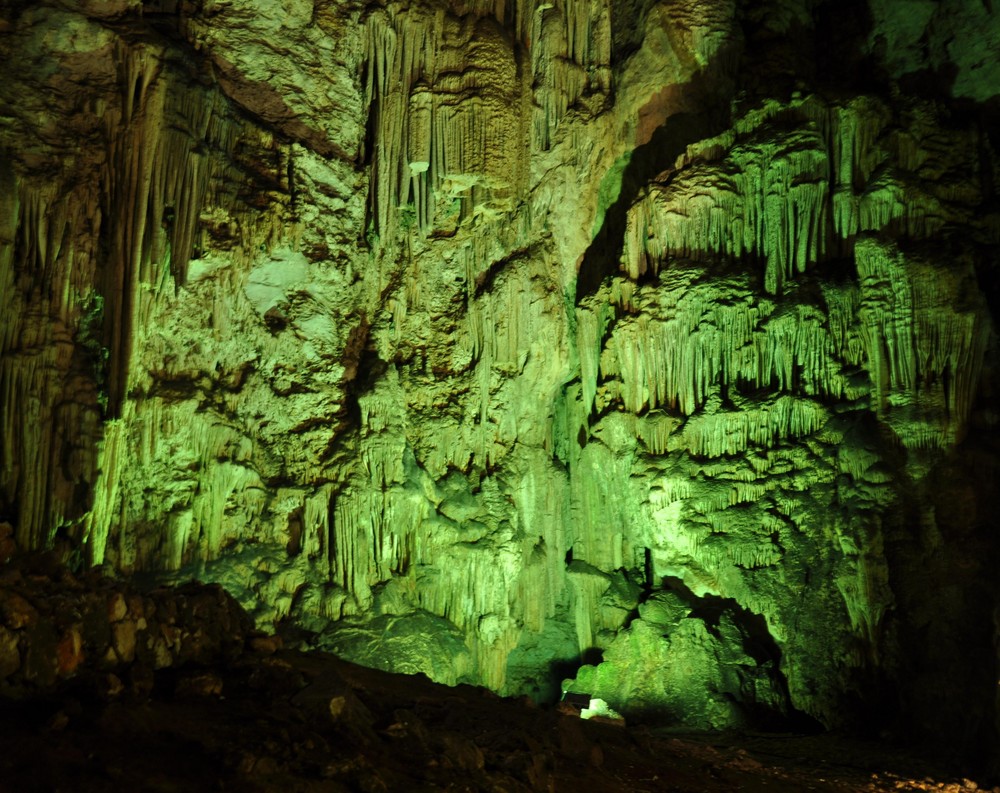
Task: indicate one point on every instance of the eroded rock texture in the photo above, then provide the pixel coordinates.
(481, 338)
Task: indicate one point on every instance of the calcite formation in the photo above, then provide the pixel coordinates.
(489, 340)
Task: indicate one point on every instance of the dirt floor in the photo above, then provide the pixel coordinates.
(276, 720)
(104, 687)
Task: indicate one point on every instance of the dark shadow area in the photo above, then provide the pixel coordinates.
(563, 670)
(988, 278)
(757, 640)
(628, 24)
(932, 84)
(842, 29)
(567, 668)
(826, 48)
(942, 655)
(758, 644)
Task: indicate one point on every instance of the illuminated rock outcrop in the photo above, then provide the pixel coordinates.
(473, 338)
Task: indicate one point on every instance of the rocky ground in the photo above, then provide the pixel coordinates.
(310, 722)
(194, 700)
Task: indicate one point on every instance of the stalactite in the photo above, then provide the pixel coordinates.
(374, 536)
(856, 461)
(383, 427)
(569, 420)
(920, 339)
(588, 586)
(471, 585)
(105, 515)
(504, 327)
(717, 434)
(206, 502)
(746, 555)
(784, 196)
(705, 343)
(654, 429)
(542, 501)
(454, 110)
(601, 509)
(843, 302)
(770, 199)
(867, 597)
(852, 130)
(49, 394)
(172, 153)
(591, 325)
(156, 186)
(350, 544)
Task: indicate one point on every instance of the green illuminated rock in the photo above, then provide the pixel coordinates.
(493, 340)
(670, 666)
(411, 644)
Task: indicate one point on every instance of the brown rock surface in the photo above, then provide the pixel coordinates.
(267, 719)
(401, 733)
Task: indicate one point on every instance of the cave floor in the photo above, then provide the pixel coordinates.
(288, 721)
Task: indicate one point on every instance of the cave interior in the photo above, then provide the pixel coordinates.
(382, 382)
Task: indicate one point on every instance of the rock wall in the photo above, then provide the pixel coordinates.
(490, 339)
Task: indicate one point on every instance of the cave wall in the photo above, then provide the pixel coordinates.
(486, 339)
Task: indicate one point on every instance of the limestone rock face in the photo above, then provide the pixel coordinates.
(692, 667)
(483, 338)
